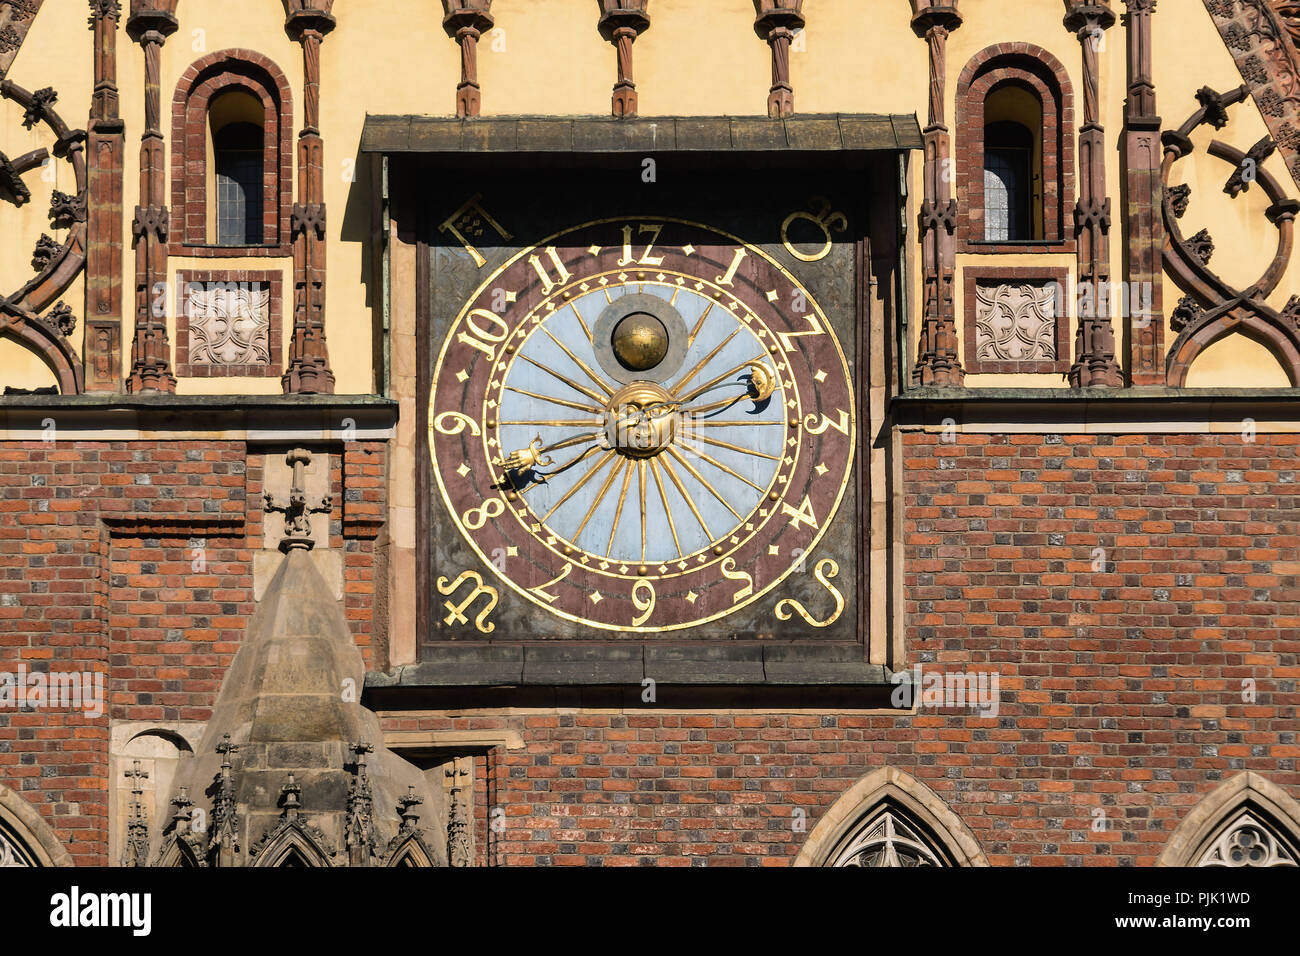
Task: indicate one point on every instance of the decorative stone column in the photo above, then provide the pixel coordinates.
(621, 22)
(151, 22)
(1094, 343)
(1144, 234)
(936, 361)
(467, 20)
(102, 352)
(777, 22)
(308, 371)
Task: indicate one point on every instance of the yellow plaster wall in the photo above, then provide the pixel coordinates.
(1224, 363)
(547, 57)
(42, 61)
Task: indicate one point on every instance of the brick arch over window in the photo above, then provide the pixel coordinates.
(226, 71)
(1043, 77)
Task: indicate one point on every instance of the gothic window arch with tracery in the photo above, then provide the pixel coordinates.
(1249, 841)
(1245, 821)
(889, 838)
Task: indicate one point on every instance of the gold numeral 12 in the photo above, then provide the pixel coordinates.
(653, 229)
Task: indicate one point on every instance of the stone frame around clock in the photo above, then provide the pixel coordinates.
(856, 668)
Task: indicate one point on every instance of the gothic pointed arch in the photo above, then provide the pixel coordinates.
(1245, 821)
(181, 852)
(293, 843)
(25, 838)
(410, 850)
(889, 818)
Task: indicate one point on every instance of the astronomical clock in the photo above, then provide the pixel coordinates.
(643, 411)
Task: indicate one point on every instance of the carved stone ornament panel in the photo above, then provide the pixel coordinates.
(229, 325)
(1017, 320)
(1015, 323)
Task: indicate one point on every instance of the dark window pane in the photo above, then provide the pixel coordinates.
(1007, 202)
(238, 153)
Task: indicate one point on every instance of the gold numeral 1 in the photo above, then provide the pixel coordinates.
(547, 282)
(730, 274)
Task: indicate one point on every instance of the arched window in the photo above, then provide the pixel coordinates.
(236, 125)
(1245, 821)
(231, 159)
(1015, 176)
(889, 818)
(1013, 165)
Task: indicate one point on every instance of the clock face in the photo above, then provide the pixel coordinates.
(641, 424)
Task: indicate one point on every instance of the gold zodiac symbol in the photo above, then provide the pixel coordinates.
(524, 458)
(456, 612)
(823, 217)
(731, 574)
(643, 604)
(476, 518)
(458, 422)
(470, 217)
(825, 570)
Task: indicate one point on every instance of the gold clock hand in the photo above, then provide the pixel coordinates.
(535, 453)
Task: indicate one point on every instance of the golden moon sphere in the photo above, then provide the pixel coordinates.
(640, 341)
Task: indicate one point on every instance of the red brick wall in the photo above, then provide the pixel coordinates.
(98, 571)
(1114, 694)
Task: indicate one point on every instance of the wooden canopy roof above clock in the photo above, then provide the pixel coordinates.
(835, 132)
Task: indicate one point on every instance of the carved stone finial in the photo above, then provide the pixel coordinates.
(136, 850)
(297, 510)
(289, 798)
(359, 830)
(406, 810)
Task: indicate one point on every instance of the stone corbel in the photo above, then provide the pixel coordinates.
(467, 21)
(621, 22)
(777, 23)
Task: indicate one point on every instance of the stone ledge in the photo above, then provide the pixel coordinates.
(493, 665)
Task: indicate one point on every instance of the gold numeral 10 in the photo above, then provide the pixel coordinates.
(484, 339)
